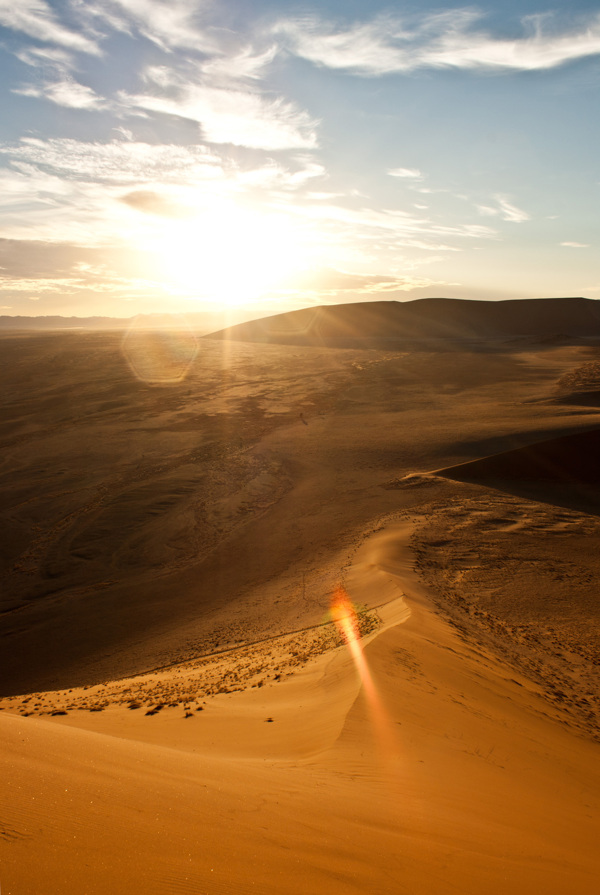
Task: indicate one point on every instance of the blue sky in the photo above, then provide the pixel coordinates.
(184, 155)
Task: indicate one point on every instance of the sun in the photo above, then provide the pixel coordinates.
(233, 256)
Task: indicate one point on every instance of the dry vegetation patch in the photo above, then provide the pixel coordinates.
(190, 684)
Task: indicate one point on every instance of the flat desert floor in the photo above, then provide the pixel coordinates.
(179, 712)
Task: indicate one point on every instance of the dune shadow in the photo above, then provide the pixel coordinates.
(562, 471)
(581, 399)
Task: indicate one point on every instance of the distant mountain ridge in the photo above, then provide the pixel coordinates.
(361, 323)
(57, 322)
(201, 321)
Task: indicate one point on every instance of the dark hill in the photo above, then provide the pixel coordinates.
(386, 322)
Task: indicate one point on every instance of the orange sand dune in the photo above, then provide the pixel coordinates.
(452, 776)
(177, 711)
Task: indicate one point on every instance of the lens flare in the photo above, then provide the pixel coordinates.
(345, 618)
(160, 353)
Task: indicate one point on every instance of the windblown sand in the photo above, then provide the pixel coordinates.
(180, 715)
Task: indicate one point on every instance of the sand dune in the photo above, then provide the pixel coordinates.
(386, 322)
(449, 775)
(178, 712)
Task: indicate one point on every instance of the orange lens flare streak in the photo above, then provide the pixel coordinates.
(344, 616)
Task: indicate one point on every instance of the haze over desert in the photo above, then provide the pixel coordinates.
(182, 713)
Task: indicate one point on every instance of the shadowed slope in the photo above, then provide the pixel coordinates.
(384, 322)
(564, 470)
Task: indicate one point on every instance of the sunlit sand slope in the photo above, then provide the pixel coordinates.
(448, 775)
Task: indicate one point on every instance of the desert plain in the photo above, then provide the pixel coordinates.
(180, 712)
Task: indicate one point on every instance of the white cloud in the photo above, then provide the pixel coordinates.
(125, 133)
(121, 192)
(70, 190)
(119, 162)
(56, 285)
(48, 171)
(575, 245)
(37, 19)
(509, 212)
(388, 230)
(232, 116)
(168, 23)
(328, 283)
(66, 92)
(274, 175)
(487, 210)
(439, 40)
(38, 56)
(365, 47)
(409, 173)
(505, 210)
(239, 66)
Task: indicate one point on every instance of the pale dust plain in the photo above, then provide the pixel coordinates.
(168, 560)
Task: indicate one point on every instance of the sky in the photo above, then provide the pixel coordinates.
(194, 155)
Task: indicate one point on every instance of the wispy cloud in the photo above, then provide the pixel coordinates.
(170, 24)
(37, 19)
(123, 191)
(72, 190)
(24, 284)
(277, 176)
(510, 212)
(406, 173)
(442, 40)
(42, 168)
(504, 209)
(45, 269)
(214, 79)
(332, 283)
(44, 56)
(65, 92)
(243, 65)
(240, 117)
(120, 161)
(350, 235)
(576, 245)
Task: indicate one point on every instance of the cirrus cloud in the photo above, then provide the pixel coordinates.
(239, 117)
(450, 39)
(65, 92)
(37, 19)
